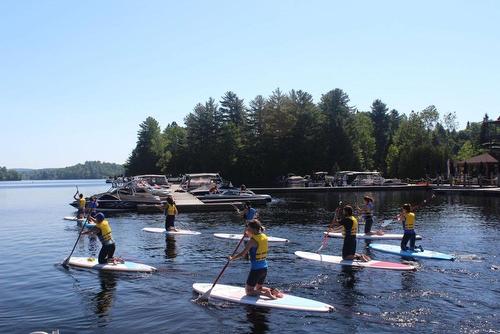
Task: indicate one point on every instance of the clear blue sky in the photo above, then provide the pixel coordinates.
(78, 77)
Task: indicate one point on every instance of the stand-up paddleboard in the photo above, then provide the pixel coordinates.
(162, 230)
(237, 294)
(385, 236)
(73, 218)
(92, 263)
(238, 237)
(354, 263)
(425, 254)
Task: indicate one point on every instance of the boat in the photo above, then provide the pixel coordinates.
(319, 179)
(363, 179)
(156, 184)
(229, 195)
(294, 181)
(125, 198)
(193, 181)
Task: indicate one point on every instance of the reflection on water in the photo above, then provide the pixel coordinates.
(170, 249)
(257, 317)
(463, 293)
(103, 300)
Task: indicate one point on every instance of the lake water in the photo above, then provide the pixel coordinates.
(37, 293)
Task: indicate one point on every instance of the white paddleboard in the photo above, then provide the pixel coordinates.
(238, 237)
(425, 254)
(73, 218)
(237, 294)
(162, 230)
(354, 263)
(385, 236)
(92, 263)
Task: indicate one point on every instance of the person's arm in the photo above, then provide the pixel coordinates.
(176, 212)
(244, 252)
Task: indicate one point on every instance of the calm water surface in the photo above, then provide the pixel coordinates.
(36, 293)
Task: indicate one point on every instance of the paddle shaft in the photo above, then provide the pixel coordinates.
(206, 294)
(325, 237)
(65, 263)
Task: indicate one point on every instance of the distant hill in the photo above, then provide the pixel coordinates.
(88, 170)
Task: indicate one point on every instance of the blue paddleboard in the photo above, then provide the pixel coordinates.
(425, 254)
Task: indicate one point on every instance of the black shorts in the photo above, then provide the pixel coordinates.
(169, 222)
(257, 276)
(368, 224)
(349, 247)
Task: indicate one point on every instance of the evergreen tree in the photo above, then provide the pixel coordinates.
(381, 122)
(148, 151)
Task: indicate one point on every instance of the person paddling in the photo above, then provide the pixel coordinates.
(257, 248)
(248, 214)
(349, 229)
(93, 206)
(170, 213)
(367, 212)
(103, 231)
(408, 220)
(81, 205)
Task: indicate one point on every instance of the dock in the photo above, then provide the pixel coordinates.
(470, 190)
(187, 202)
(423, 186)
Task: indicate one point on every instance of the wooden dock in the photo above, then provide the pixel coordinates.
(187, 202)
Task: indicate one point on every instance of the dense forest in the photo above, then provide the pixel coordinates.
(9, 174)
(290, 133)
(88, 170)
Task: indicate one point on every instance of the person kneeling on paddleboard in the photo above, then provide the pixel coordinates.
(349, 229)
(408, 220)
(257, 248)
(103, 231)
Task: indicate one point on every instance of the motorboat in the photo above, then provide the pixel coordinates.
(295, 181)
(319, 179)
(193, 181)
(124, 198)
(156, 184)
(228, 195)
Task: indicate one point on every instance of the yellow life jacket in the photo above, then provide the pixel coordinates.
(354, 228)
(104, 231)
(170, 209)
(409, 223)
(81, 203)
(261, 251)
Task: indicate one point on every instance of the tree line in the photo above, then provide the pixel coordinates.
(290, 133)
(87, 170)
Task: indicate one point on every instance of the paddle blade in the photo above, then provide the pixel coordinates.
(386, 222)
(203, 298)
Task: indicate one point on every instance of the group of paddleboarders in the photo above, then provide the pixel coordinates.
(83, 206)
(349, 228)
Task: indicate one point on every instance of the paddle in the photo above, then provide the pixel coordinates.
(325, 236)
(66, 261)
(204, 297)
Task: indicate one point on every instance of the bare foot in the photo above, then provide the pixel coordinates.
(276, 293)
(269, 294)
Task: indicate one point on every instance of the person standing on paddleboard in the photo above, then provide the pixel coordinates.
(170, 213)
(349, 229)
(408, 220)
(367, 212)
(257, 248)
(81, 205)
(103, 231)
